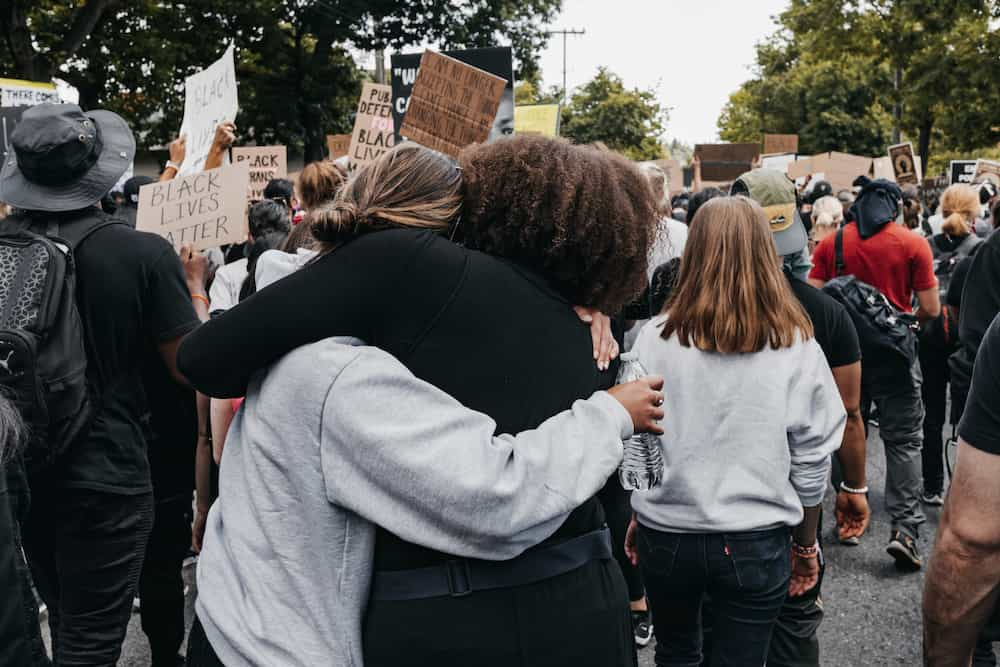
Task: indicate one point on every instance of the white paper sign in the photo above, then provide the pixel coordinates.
(18, 93)
(209, 99)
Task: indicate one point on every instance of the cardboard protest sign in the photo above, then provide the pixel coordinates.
(961, 171)
(781, 143)
(987, 170)
(373, 131)
(495, 60)
(265, 163)
(882, 168)
(722, 163)
(206, 209)
(540, 119)
(779, 161)
(452, 104)
(675, 175)
(841, 169)
(209, 99)
(338, 145)
(903, 165)
(21, 93)
(801, 168)
(9, 118)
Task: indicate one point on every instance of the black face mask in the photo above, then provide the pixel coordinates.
(877, 206)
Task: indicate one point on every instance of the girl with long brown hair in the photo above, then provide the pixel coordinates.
(754, 414)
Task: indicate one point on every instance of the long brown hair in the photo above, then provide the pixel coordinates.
(409, 186)
(732, 296)
(319, 182)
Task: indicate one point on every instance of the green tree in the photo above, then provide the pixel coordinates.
(627, 121)
(852, 74)
(297, 82)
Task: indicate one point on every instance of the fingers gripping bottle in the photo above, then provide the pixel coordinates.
(642, 465)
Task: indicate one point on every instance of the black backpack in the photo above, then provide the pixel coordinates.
(885, 334)
(945, 261)
(43, 362)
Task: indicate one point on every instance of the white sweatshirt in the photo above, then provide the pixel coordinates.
(748, 436)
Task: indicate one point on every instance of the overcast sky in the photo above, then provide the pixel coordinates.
(693, 53)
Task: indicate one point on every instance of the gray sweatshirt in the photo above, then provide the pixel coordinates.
(335, 439)
(748, 436)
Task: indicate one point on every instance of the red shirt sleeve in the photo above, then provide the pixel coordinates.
(922, 265)
(823, 261)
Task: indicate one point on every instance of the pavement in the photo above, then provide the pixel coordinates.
(872, 611)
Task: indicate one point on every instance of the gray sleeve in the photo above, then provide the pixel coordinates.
(410, 458)
(816, 424)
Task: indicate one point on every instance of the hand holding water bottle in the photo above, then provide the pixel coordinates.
(642, 463)
(643, 400)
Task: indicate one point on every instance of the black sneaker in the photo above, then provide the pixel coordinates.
(642, 628)
(904, 549)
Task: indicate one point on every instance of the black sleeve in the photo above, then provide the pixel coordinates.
(168, 311)
(346, 293)
(980, 425)
(954, 296)
(845, 348)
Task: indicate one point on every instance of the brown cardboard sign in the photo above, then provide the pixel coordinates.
(373, 130)
(265, 163)
(675, 175)
(903, 165)
(205, 209)
(800, 168)
(452, 104)
(841, 169)
(781, 143)
(338, 145)
(987, 170)
(723, 163)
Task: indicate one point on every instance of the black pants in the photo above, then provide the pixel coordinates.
(746, 575)
(200, 653)
(934, 391)
(578, 619)
(618, 512)
(161, 586)
(85, 549)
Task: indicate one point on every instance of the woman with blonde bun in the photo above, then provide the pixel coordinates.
(939, 337)
(828, 216)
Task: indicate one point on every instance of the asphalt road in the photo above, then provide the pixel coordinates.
(872, 611)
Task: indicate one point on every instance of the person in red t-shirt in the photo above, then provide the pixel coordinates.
(899, 264)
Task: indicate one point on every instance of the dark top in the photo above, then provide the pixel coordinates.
(979, 305)
(958, 277)
(14, 648)
(492, 334)
(980, 425)
(172, 418)
(131, 295)
(832, 326)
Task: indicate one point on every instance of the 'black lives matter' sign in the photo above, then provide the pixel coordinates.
(373, 131)
(205, 209)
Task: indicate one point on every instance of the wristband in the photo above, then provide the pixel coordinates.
(805, 552)
(201, 297)
(172, 165)
(859, 492)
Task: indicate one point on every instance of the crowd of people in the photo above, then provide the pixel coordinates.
(390, 427)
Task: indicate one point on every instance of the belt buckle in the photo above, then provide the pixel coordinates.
(459, 578)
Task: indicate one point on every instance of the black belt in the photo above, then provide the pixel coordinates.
(460, 577)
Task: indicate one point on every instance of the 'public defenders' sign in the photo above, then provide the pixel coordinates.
(373, 130)
(204, 209)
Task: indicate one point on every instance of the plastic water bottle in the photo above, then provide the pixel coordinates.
(642, 466)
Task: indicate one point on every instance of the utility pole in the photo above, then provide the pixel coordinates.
(564, 33)
(380, 66)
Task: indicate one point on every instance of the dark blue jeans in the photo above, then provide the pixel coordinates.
(746, 575)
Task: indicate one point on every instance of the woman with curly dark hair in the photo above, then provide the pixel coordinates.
(567, 225)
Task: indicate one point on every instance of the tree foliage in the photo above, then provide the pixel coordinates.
(829, 74)
(629, 121)
(297, 79)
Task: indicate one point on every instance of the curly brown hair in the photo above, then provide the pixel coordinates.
(584, 218)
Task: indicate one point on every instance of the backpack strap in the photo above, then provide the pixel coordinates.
(838, 251)
(76, 234)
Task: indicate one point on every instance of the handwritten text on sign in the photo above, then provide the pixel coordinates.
(209, 99)
(338, 145)
(265, 163)
(452, 105)
(373, 130)
(206, 209)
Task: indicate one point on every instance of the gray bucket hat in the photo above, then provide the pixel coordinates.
(63, 159)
